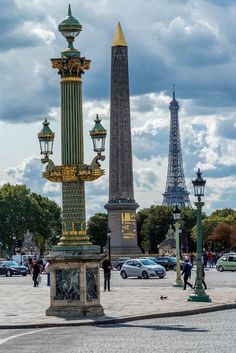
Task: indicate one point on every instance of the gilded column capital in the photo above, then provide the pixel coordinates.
(71, 67)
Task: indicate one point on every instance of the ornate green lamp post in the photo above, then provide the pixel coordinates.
(176, 215)
(74, 261)
(199, 294)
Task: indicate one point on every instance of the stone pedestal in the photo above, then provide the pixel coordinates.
(122, 222)
(75, 281)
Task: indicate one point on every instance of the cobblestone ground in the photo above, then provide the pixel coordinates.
(206, 333)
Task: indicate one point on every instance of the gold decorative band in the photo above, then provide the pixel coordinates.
(71, 79)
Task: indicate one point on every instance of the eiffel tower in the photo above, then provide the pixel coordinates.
(176, 191)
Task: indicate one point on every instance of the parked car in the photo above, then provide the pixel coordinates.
(142, 268)
(169, 262)
(120, 262)
(227, 262)
(9, 268)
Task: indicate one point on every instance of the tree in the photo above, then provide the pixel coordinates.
(153, 224)
(14, 209)
(21, 210)
(45, 221)
(224, 236)
(187, 221)
(97, 229)
(210, 223)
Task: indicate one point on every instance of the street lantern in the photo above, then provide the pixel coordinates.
(199, 184)
(109, 242)
(46, 138)
(98, 135)
(70, 28)
(199, 294)
(176, 215)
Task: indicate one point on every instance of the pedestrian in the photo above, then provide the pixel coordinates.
(203, 278)
(106, 265)
(205, 258)
(36, 273)
(191, 259)
(187, 274)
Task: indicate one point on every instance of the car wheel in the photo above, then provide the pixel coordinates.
(118, 267)
(8, 273)
(161, 276)
(174, 267)
(123, 274)
(220, 268)
(24, 274)
(145, 275)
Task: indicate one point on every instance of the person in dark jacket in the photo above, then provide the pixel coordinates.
(36, 272)
(106, 265)
(203, 278)
(187, 274)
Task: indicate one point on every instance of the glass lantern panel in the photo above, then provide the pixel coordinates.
(98, 144)
(176, 216)
(70, 33)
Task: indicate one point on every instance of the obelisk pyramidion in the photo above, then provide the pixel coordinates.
(121, 205)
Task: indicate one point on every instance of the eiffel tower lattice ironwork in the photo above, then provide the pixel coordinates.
(175, 191)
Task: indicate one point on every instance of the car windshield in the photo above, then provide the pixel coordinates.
(172, 259)
(11, 263)
(147, 262)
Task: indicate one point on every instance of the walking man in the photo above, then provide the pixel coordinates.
(187, 274)
(106, 265)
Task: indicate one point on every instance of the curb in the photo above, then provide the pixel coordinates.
(111, 321)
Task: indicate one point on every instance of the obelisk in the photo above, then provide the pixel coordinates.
(121, 206)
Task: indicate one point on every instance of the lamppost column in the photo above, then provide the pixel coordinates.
(178, 282)
(109, 242)
(199, 294)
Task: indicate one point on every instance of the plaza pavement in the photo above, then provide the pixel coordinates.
(22, 306)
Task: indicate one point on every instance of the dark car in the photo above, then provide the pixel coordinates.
(9, 268)
(169, 262)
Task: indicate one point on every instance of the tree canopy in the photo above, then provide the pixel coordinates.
(21, 210)
(97, 229)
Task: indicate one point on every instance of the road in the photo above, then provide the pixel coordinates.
(207, 333)
(213, 278)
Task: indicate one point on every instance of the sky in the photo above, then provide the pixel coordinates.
(191, 43)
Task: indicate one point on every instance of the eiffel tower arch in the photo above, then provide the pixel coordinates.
(175, 191)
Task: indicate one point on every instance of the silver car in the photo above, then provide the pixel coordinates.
(142, 268)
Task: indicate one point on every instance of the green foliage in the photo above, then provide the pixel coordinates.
(97, 229)
(152, 225)
(21, 210)
(217, 229)
(187, 221)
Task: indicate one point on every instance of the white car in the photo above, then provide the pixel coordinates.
(142, 268)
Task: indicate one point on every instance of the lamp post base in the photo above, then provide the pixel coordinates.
(178, 283)
(75, 281)
(199, 296)
(69, 311)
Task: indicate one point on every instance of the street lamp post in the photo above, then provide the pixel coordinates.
(109, 242)
(14, 244)
(199, 294)
(176, 215)
(74, 261)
